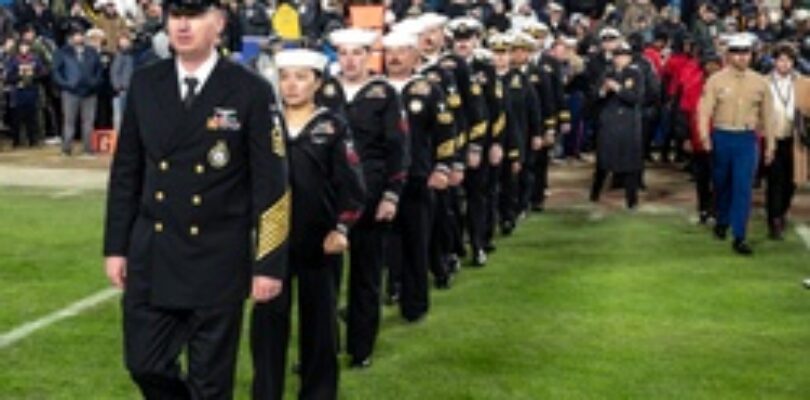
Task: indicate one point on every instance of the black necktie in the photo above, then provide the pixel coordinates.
(191, 91)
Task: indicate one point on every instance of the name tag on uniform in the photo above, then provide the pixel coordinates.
(224, 119)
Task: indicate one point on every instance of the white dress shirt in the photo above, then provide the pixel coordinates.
(201, 74)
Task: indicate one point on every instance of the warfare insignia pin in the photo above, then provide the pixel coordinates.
(219, 155)
(415, 106)
(329, 90)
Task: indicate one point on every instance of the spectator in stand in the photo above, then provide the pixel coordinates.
(77, 71)
(43, 19)
(253, 19)
(707, 27)
(96, 39)
(22, 73)
(76, 20)
(111, 24)
(120, 74)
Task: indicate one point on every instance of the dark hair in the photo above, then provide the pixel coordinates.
(785, 49)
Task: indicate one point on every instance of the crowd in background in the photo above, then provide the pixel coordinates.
(65, 66)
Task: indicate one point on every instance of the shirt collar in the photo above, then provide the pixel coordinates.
(202, 73)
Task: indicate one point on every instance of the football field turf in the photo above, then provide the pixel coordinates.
(570, 307)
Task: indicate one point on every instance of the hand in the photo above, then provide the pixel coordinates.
(565, 128)
(116, 269)
(456, 177)
(769, 155)
(537, 143)
(707, 144)
(386, 211)
(612, 85)
(516, 167)
(266, 288)
(549, 139)
(495, 155)
(474, 159)
(438, 180)
(335, 243)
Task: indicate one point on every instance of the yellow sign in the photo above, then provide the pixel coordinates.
(285, 22)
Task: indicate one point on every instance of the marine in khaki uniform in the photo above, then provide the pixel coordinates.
(736, 105)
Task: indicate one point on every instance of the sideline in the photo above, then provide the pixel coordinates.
(25, 330)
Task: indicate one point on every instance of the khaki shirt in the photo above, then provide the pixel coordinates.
(735, 100)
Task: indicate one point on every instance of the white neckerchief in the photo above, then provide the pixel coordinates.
(201, 74)
(399, 84)
(350, 90)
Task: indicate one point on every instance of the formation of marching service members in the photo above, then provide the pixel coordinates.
(409, 173)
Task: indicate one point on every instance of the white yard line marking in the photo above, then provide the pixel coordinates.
(25, 330)
(804, 232)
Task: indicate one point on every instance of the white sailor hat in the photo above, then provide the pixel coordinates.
(413, 26)
(432, 20)
(609, 33)
(740, 41)
(554, 6)
(399, 39)
(353, 37)
(801, 14)
(464, 27)
(300, 58)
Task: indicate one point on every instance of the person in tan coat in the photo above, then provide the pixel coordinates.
(788, 168)
(113, 25)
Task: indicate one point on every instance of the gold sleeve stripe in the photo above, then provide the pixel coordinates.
(446, 149)
(499, 125)
(461, 139)
(445, 118)
(550, 122)
(514, 154)
(454, 100)
(274, 226)
(479, 130)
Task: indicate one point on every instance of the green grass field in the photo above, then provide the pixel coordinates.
(626, 307)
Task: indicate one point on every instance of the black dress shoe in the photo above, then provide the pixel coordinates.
(490, 248)
(507, 227)
(720, 231)
(442, 283)
(479, 259)
(704, 217)
(742, 248)
(360, 363)
(453, 264)
(414, 319)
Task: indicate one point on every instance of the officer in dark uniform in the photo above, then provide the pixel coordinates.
(526, 120)
(620, 148)
(446, 69)
(496, 140)
(540, 77)
(200, 163)
(432, 148)
(372, 107)
(466, 32)
(556, 117)
(328, 196)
